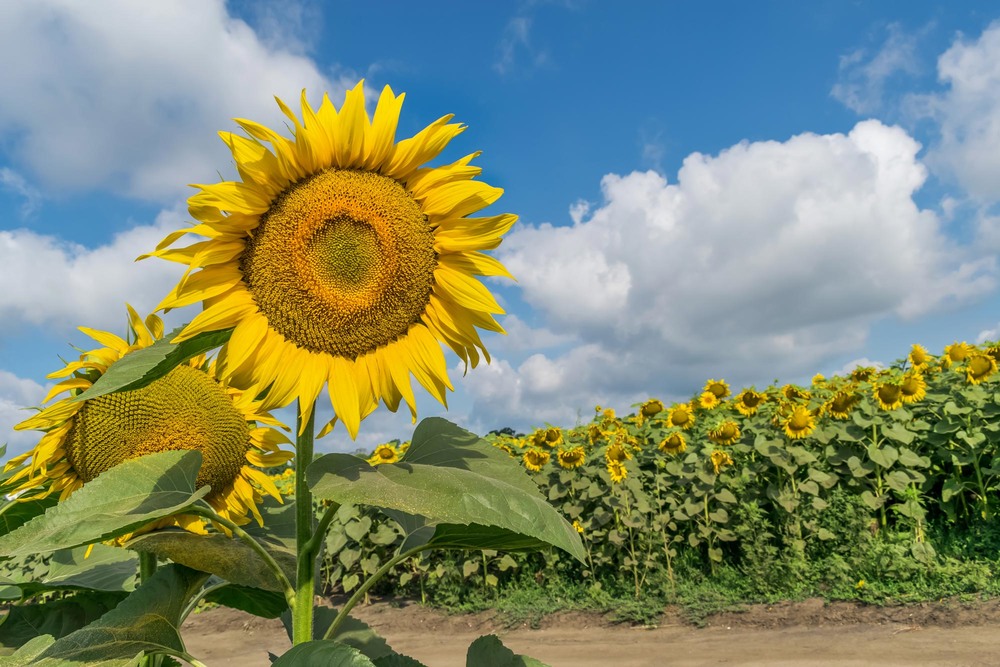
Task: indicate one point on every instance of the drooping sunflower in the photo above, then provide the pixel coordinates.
(794, 393)
(720, 460)
(800, 423)
(547, 437)
(571, 458)
(594, 433)
(718, 387)
(913, 387)
(955, 353)
(979, 367)
(726, 433)
(673, 444)
(841, 404)
(386, 454)
(888, 394)
(748, 401)
(648, 410)
(919, 356)
(187, 409)
(340, 259)
(535, 459)
(707, 400)
(681, 415)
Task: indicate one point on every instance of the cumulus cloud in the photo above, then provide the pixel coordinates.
(771, 257)
(128, 97)
(863, 75)
(15, 395)
(59, 285)
(967, 115)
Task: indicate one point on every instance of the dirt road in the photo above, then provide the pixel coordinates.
(803, 634)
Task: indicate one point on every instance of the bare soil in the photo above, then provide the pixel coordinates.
(809, 633)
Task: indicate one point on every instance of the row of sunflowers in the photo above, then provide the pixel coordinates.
(899, 450)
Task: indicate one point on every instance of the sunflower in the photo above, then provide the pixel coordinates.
(339, 259)
(913, 387)
(389, 454)
(725, 433)
(994, 351)
(187, 409)
(818, 380)
(617, 453)
(535, 459)
(707, 400)
(862, 373)
(979, 367)
(919, 356)
(720, 460)
(577, 526)
(955, 353)
(793, 393)
(594, 433)
(841, 404)
(673, 444)
(648, 410)
(717, 387)
(888, 394)
(617, 471)
(681, 416)
(748, 401)
(571, 458)
(800, 423)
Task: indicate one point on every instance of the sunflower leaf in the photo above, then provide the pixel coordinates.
(147, 621)
(448, 476)
(353, 632)
(139, 368)
(489, 650)
(265, 604)
(323, 652)
(58, 618)
(119, 501)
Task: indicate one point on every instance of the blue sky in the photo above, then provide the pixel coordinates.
(788, 190)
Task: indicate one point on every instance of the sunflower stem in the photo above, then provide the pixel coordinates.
(324, 524)
(305, 573)
(147, 566)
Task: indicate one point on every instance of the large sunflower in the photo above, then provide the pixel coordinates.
(189, 408)
(341, 260)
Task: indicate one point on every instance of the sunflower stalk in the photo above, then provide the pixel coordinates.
(305, 545)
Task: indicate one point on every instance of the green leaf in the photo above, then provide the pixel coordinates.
(119, 501)
(911, 459)
(16, 513)
(54, 617)
(950, 488)
(146, 621)
(228, 557)
(323, 652)
(265, 604)
(489, 650)
(141, 367)
(450, 477)
(899, 433)
(884, 456)
(353, 632)
(105, 569)
(398, 660)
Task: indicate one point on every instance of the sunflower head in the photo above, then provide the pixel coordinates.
(571, 458)
(841, 404)
(818, 380)
(888, 394)
(720, 460)
(340, 259)
(913, 387)
(617, 471)
(535, 459)
(648, 410)
(748, 402)
(385, 454)
(673, 444)
(792, 392)
(979, 367)
(725, 433)
(919, 356)
(862, 373)
(186, 409)
(681, 415)
(617, 453)
(717, 387)
(955, 353)
(707, 400)
(800, 423)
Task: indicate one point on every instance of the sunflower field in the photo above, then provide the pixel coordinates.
(851, 487)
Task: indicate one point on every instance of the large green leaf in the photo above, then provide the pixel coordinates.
(16, 513)
(266, 604)
(231, 558)
(418, 531)
(323, 652)
(450, 477)
(489, 650)
(141, 367)
(58, 618)
(119, 501)
(104, 569)
(352, 632)
(147, 621)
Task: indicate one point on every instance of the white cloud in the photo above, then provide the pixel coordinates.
(51, 283)
(515, 50)
(128, 96)
(863, 76)
(765, 260)
(988, 334)
(857, 363)
(968, 115)
(15, 395)
(14, 182)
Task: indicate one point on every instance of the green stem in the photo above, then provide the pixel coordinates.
(363, 589)
(305, 572)
(268, 559)
(183, 655)
(324, 524)
(202, 594)
(147, 566)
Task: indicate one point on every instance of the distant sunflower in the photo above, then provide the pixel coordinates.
(341, 260)
(648, 410)
(889, 395)
(863, 373)
(979, 367)
(673, 444)
(800, 423)
(748, 401)
(707, 400)
(617, 471)
(681, 416)
(720, 460)
(841, 404)
(617, 454)
(913, 387)
(594, 433)
(725, 433)
(535, 459)
(389, 454)
(994, 351)
(793, 393)
(571, 458)
(187, 409)
(919, 356)
(955, 353)
(717, 387)
(818, 380)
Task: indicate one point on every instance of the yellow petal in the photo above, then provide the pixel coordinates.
(382, 136)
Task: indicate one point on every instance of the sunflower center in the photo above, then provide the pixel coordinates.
(185, 409)
(342, 263)
(799, 420)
